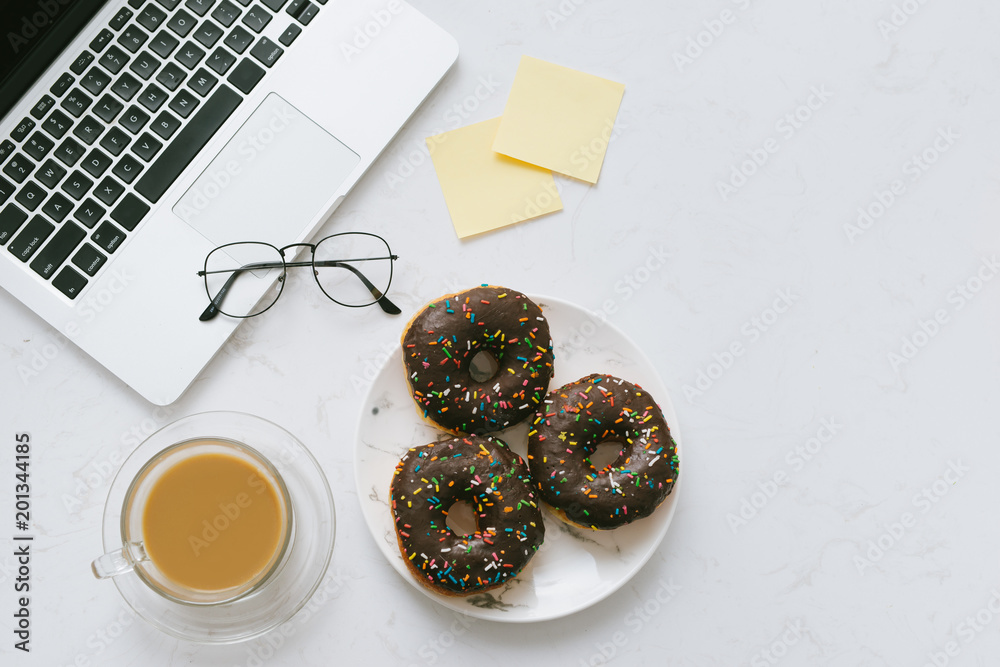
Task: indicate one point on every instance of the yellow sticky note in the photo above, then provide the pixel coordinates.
(559, 118)
(485, 190)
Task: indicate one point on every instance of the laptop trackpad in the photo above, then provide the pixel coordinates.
(270, 180)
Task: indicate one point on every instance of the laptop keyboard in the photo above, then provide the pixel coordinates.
(81, 172)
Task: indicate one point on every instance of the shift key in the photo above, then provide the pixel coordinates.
(57, 250)
(31, 237)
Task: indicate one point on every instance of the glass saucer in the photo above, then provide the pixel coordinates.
(304, 567)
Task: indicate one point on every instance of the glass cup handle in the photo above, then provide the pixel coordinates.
(119, 561)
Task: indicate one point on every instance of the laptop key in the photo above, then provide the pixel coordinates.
(151, 17)
(199, 7)
(165, 125)
(7, 148)
(130, 211)
(289, 35)
(238, 40)
(57, 207)
(69, 152)
(89, 259)
(42, 106)
(108, 237)
(127, 168)
(244, 2)
(31, 238)
(95, 81)
(87, 130)
(81, 62)
(49, 174)
(30, 195)
(69, 282)
(168, 4)
(183, 103)
(274, 5)
(58, 250)
(103, 38)
(126, 87)
(134, 119)
(153, 97)
(163, 44)
(38, 146)
(175, 157)
(266, 51)
(19, 167)
(120, 19)
(202, 82)
(171, 76)
(226, 13)
(132, 38)
(135, 4)
(115, 141)
(295, 7)
(306, 16)
(256, 18)
(221, 60)
(190, 55)
(182, 23)
(90, 213)
(207, 34)
(76, 102)
(108, 108)
(146, 147)
(113, 59)
(11, 219)
(246, 75)
(77, 185)
(57, 124)
(6, 190)
(109, 190)
(96, 163)
(21, 130)
(145, 65)
(61, 85)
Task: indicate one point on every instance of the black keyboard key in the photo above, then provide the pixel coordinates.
(134, 119)
(88, 130)
(6, 149)
(146, 147)
(31, 238)
(171, 76)
(244, 2)
(58, 250)
(190, 55)
(96, 163)
(135, 4)
(188, 142)
(274, 5)
(306, 16)
(11, 219)
(6, 190)
(114, 59)
(108, 108)
(95, 80)
(115, 141)
(49, 174)
(151, 17)
(76, 102)
(109, 190)
(127, 169)
(202, 82)
(163, 44)
(182, 23)
(295, 7)
(256, 18)
(266, 51)
(153, 97)
(69, 282)
(169, 4)
(199, 7)
(120, 19)
(183, 103)
(108, 237)
(31, 195)
(90, 213)
(238, 40)
(76, 185)
(19, 167)
(289, 35)
(103, 38)
(165, 125)
(42, 106)
(126, 87)
(38, 146)
(21, 130)
(133, 38)
(145, 65)
(246, 75)
(81, 63)
(226, 13)
(57, 207)
(61, 85)
(57, 124)
(220, 61)
(89, 259)
(130, 211)
(208, 34)
(69, 152)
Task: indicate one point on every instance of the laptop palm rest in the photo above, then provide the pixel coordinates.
(270, 180)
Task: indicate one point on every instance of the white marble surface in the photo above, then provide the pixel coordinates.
(785, 585)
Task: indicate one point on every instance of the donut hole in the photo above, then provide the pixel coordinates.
(605, 454)
(484, 366)
(461, 519)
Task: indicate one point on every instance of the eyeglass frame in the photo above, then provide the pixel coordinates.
(379, 295)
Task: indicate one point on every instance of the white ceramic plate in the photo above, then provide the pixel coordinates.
(574, 568)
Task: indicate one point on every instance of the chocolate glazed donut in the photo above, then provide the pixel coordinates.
(484, 472)
(576, 419)
(443, 338)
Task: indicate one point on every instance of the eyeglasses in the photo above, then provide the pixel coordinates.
(353, 269)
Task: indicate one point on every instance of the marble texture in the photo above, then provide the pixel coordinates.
(835, 375)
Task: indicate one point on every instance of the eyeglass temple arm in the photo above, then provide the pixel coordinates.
(381, 299)
(216, 303)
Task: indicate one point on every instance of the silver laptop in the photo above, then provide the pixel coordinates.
(138, 135)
